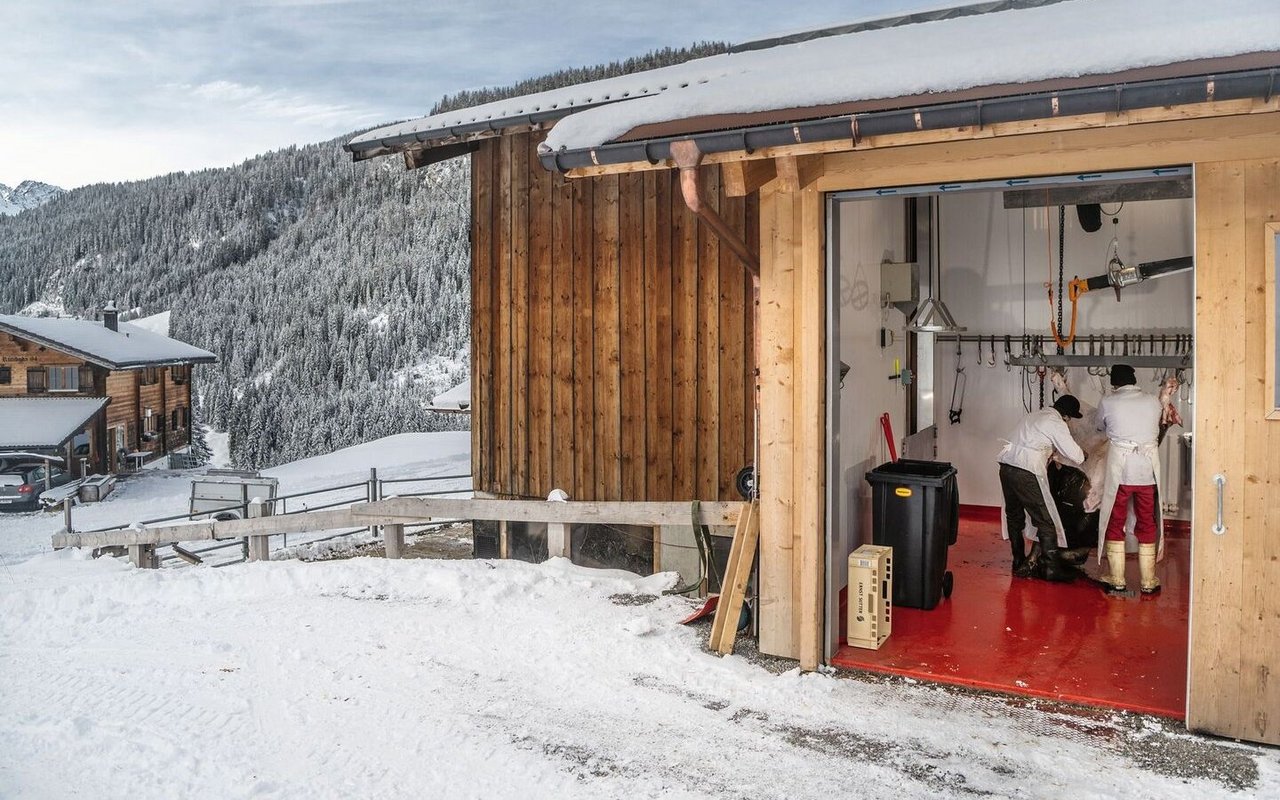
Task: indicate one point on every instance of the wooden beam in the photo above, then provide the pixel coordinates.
(742, 555)
(402, 510)
(1086, 150)
(1131, 119)
(742, 178)
(797, 173)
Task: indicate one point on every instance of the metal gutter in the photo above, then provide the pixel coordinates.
(1116, 98)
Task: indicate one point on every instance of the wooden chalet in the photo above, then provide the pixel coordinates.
(141, 378)
(662, 294)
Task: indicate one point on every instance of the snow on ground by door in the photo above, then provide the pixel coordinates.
(481, 679)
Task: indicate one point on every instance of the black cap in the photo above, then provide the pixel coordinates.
(1123, 375)
(1068, 406)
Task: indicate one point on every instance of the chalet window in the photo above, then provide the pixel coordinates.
(180, 373)
(148, 376)
(86, 379)
(37, 380)
(179, 418)
(64, 379)
(6, 374)
(149, 423)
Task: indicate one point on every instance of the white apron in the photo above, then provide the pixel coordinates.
(1116, 454)
(1035, 461)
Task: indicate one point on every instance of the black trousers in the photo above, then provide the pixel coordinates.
(1022, 496)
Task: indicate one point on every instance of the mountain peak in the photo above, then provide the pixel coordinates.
(28, 195)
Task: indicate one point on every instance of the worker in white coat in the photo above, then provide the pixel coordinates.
(1024, 482)
(1130, 418)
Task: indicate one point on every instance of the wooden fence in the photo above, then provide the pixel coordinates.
(393, 514)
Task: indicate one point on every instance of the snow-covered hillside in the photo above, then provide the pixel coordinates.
(27, 195)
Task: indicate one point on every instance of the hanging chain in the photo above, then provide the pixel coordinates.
(1062, 251)
(1042, 388)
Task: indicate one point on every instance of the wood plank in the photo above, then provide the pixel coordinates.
(1219, 112)
(724, 628)
(584, 384)
(572, 512)
(742, 178)
(775, 480)
(658, 341)
(501, 364)
(520, 316)
(811, 433)
(481, 314)
(684, 345)
(752, 397)
(407, 510)
(562, 335)
(540, 343)
(608, 422)
(797, 173)
(708, 330)
(733, 310)
(1158, 144)
(633, 300)
(1217, 592)
(1260, 613)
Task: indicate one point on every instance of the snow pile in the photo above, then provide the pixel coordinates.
(156, 323)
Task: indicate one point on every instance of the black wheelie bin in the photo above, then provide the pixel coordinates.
(915, 509)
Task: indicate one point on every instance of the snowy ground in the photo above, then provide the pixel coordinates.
(474, 679)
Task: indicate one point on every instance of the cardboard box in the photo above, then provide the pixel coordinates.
(870, 604)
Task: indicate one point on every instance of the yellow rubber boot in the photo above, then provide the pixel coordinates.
(1147, 568)
(1115, 566)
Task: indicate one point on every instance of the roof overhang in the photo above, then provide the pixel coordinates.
(71, 415)
(1252, 77)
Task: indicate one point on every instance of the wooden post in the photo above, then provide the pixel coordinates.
(143, 556)
(259, 546)
(393, 540)
(504, 541)
(557, 539)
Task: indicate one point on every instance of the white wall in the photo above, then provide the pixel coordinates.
(994, 265)
(869, 233)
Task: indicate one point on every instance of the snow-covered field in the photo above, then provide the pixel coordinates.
(478, 679)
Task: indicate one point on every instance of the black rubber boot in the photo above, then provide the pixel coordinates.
(1021, 566)
(1051, 567)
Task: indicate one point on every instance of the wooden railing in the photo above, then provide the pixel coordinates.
(393, 514)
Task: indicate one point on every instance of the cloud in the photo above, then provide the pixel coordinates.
(255, 101)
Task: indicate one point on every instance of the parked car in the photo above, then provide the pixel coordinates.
(22, 483)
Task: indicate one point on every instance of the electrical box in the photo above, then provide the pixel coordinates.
(900, 283)
(870, 604)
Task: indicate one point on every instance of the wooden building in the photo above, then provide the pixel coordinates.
(615, 334)
(145, 377)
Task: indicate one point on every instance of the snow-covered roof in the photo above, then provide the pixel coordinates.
(131, 346)
(34, 423)
(1020, 45)
(456, 399)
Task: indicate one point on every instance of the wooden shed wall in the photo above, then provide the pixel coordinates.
(611, 334)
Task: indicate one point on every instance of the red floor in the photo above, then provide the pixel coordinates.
(1066, 642)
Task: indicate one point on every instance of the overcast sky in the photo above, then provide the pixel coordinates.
(113, 90)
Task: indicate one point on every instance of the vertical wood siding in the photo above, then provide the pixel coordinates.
(1235, 611)
(611, 334)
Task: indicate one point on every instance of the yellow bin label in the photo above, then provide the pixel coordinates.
(902, 491)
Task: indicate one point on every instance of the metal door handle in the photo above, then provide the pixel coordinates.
(1221, 481)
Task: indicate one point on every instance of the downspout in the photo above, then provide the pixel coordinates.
(688, 159)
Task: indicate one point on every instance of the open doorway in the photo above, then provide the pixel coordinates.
(986, 251)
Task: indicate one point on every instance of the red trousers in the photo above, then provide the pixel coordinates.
(1144, 508)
